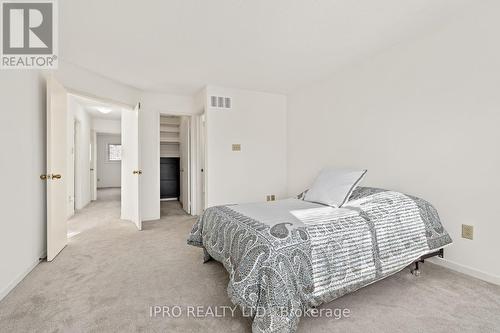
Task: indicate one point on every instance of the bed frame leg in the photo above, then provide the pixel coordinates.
(416, 271)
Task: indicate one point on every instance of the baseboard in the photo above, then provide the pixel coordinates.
(169, 199)
(150, 218)
(466, 270)
(20, 277)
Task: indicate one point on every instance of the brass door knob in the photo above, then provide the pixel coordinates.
(56, 176)
(137, 172)
(44, 177)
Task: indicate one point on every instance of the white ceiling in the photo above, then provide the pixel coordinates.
(179, 46)
(92, 107)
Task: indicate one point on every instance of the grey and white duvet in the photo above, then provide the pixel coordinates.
(286, 256)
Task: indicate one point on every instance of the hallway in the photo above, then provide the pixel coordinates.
(106, 209)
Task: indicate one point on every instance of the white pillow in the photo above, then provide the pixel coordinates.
(333, 186)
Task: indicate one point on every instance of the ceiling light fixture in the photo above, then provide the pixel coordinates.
(103, 109)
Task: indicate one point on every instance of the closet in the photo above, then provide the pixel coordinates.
(169, 158)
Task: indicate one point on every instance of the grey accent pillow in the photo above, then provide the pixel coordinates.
(333, 186)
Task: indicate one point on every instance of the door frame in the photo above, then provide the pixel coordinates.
(76, 166)
(76, 153)
(196, 145)
(93, 165)
(187, 186)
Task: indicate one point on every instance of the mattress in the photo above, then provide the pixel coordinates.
(285, 257)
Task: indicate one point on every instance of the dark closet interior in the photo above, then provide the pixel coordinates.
(169, 177)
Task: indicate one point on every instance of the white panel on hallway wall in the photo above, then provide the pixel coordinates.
(423, 119)
(108, 172)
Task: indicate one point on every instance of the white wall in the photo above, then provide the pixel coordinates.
(110, 126)
(82, 81)
(424, 119)
(22, 197)
(257, 121)
(108, 172)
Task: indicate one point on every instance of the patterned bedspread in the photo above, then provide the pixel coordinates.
(287, 256)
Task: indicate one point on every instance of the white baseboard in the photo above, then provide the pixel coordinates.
(169, 199)
(466, 270)
(20, 277)
(150, 218)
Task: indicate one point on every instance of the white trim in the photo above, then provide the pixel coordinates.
(466, 270)
(170, 199)
(99, 99)
(20, 277)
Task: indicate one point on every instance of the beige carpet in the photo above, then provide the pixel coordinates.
(110, 274)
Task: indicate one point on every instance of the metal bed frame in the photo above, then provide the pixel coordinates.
(416, 271)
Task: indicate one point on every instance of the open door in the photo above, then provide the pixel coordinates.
(184, 135)
(93, 165)
(56, 168)
(131, 170)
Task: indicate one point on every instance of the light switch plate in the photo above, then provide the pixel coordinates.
(236, 147)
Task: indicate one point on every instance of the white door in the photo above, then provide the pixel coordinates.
(56, 167)
(203, 162)
(131, 171)
(93, 165)
(184, 142)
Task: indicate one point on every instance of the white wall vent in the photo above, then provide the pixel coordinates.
(221, 102)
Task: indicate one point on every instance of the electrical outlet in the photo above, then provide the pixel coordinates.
(271, 197)
(467, 231)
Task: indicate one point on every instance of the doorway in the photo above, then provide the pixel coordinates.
(94, 157)
(175, 168)
(71, 171)
(173, 157)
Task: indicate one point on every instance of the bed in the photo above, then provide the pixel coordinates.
(287, 256)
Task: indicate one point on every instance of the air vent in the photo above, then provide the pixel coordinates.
(220, 102)
(213, 101)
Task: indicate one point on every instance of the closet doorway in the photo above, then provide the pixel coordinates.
(174, 164)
